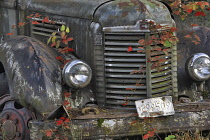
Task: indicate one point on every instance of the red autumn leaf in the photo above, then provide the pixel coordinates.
(64, 50)
(189, 11)
(46, 19)
(53, 44)
(162, 60)
(193, 25)
(188, 36)
(67, 120)
(65, 103)
(60, 58)
(153, 37)
(176, 12)
(158, 49)
(159, 26)
(141, 42)
(124, 104)
(9, 34)
(48, 133)
(129, 49)
(201, 4)
(151, 133)
(62, 118)
(21, 23)
(28, 17)
(70, 39)
(67, 94)
(146, 136)
(71, 50)
(173, 29)
(68, 108)
(197, 38)
(14, 26)
(133, 122)
(65, 41)
(139, 84)
(59, 122)
(35, 22)
(200, 13)
(129, 88)
(196, 42)
(165, 50)
(37, 15)
(64, 37)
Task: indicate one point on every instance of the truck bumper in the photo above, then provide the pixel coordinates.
(187, 117)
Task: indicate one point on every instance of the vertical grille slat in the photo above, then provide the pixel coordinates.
(126, 75)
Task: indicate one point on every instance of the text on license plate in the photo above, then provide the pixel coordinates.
(154, 107)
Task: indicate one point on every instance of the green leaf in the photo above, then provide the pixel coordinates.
(54, 33)
(167, 138)
(167, 44)
(48, 41)
(67, 30)
(100, 122)
(54, 39)
(58, 44)
(171, 136)
(63, 34)
(63, 28)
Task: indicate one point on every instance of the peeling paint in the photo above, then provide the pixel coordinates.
(33, 74)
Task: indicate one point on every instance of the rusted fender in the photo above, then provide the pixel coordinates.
(33, 74)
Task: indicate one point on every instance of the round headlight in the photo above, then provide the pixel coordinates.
(77, 74)
(198, 67)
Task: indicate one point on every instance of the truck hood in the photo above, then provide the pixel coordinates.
(73, 8)
(128, 12)
(105, 12)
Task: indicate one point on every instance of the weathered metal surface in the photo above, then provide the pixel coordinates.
(3, 84)
(124, 85)
(14, 121)
(185, 49)
(128, 125)
(64, 7)
(192, 107)
(127, 12)
(8, 3)
(33, 74)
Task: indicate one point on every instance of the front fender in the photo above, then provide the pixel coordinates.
(33, 74)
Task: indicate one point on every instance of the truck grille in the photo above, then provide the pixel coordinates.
(43, 30)
(129, 75)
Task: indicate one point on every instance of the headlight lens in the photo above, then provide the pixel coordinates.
(198, 67)
(77, 74)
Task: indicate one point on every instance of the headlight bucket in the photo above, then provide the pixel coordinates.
(77, 74)
(198, 67)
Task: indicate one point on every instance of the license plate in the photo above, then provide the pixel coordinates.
(154, 107)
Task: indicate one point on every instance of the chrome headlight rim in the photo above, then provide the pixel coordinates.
(192, 64)
(68, 68)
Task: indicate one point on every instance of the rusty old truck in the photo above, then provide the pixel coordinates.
(107, 88)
